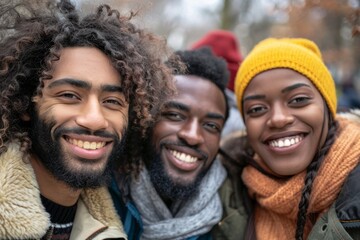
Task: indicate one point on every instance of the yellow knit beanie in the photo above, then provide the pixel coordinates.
(301, 55)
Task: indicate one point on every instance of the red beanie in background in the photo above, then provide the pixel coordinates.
(223, 44)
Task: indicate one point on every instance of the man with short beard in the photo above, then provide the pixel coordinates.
(175, 195)
(71, 88)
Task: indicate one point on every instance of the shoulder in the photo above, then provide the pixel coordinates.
(352, 115)
(20, 198)
(329, 227)
(342, 220)
(347, 205)
(235, 213)
(127, 211)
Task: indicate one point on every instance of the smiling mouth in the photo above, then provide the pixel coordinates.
(183, 157)
(286, 141)
(86, 144)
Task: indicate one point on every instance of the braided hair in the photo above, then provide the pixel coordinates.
(32, 37)
(311, 173)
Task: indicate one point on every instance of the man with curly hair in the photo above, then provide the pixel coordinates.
(72, 87)
(175, 195)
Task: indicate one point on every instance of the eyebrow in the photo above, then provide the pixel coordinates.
(177, 105)
(85, 85)
(70, 81)
(287, 89)
(111, 88)
(185, 108)
(292, 87)
(253, 97)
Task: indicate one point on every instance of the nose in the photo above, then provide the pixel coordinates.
(191, 133)
(280, 116)
(91, 116)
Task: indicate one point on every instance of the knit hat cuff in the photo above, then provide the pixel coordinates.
(283, 54)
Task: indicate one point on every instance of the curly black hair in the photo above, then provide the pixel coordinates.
(32, 38)
(311, 173)
(203, 63)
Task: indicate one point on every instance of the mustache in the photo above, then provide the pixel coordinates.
(184, 144)
(81, 131)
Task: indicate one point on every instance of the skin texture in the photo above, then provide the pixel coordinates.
(281, 104)
(83, 102)
(190, 125)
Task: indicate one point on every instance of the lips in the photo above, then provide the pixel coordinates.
(286, 141)
(89, 145)
(183, 156)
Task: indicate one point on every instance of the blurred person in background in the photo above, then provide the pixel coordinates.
(349, 96)
(225, 45)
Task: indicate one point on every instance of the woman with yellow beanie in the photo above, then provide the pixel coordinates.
(299, 158)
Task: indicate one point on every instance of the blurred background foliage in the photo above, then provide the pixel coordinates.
(333, 24)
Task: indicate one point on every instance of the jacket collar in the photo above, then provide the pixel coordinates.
(24, 216)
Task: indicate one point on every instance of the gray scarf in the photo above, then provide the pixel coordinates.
(194, 216)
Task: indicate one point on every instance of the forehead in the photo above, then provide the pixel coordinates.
(199, 92)
(277, 80)
(85, 63)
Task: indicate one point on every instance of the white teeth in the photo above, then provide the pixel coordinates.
(86, 144)
(183, 157)
(286, 142)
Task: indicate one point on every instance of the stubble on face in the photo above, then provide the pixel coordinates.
(50, 153)
(168, 187)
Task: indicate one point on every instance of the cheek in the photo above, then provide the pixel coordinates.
(165, 128)
(253, 129)
(52, 115)
(212, 144)
(160, 131)
(120, 121)
(50, 110)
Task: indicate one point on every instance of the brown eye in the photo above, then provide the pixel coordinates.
(256, 110)
(300, 101)
(212, 127)
(174, 116)
(69, 96)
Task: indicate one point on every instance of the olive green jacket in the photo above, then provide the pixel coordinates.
(342, 220)
(329, 227)
(234, 221)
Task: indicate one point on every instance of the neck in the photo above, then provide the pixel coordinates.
(51, 188)
(168, 202)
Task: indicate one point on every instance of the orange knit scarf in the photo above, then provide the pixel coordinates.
(278, 200)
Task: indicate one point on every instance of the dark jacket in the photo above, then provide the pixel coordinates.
(237, 205)
(342, 221)
(234, 221)
(131, 217)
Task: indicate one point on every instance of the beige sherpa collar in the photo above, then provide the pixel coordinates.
(21, 213)
(22, 216)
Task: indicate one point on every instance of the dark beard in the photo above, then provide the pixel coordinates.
(167, 187)
(49, 152)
